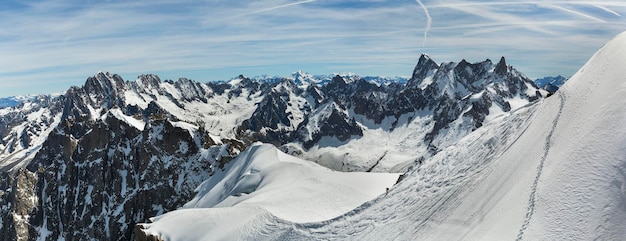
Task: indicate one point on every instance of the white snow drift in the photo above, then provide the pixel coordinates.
(263, 183)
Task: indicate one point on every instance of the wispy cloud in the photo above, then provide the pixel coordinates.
(63, 42)
(267, 9)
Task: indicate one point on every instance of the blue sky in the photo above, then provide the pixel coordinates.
(48, 46)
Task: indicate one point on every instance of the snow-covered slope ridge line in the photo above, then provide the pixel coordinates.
(551, 171)
(265, 183)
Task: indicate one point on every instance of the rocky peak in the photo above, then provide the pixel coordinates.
(103, 80)
(501, 67)
(424, 65)
(302, 78)
(191, 90)
(329, 120)
(338, 81)
(103, 86)
(474, 76)
(286, 86)
(315, 94)
(149, 81)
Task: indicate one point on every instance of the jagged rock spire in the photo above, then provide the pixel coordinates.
(424, 65)
(501, 67)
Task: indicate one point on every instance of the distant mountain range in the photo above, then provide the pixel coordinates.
(551, 83)
(12, 101)
(545, 82)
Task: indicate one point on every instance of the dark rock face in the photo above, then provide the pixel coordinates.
(96, 175)
(501, 67)
(335, 124)
(109, 174)
(422, 70)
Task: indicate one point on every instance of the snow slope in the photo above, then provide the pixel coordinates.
(554, 170)
(582, 190)
(263, 183)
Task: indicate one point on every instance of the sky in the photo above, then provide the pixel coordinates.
(48, 46)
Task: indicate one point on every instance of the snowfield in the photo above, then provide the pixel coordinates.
(554, 170)
(264, 183)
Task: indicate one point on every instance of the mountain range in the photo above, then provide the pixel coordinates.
(102, 158)
(551, 83)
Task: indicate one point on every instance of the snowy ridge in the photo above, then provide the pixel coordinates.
(263, 183)
(117, 113)
(533, 193)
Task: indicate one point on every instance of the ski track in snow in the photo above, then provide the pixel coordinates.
(533, 192)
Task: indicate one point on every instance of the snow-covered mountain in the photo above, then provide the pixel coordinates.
(13, 101)
(8, 102)
(93, 162)
(551, 83)
(551, 170)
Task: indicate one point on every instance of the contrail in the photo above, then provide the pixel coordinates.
(273, 8)
(607, 9)
(577, 13)
(429, 21)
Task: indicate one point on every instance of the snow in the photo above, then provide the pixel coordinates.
(191, 128)
(220, 114)
(133, 98)
(234, 81)
(426, 82)
(93, 112)
(88, 195)
(552, 170)
(517, 102)
(117, 113)
(316, 118)
(371, 150)
(495, 111)
(6, 111)
(296, 107)
(584, 192)
(170, 89)
(265, 183)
